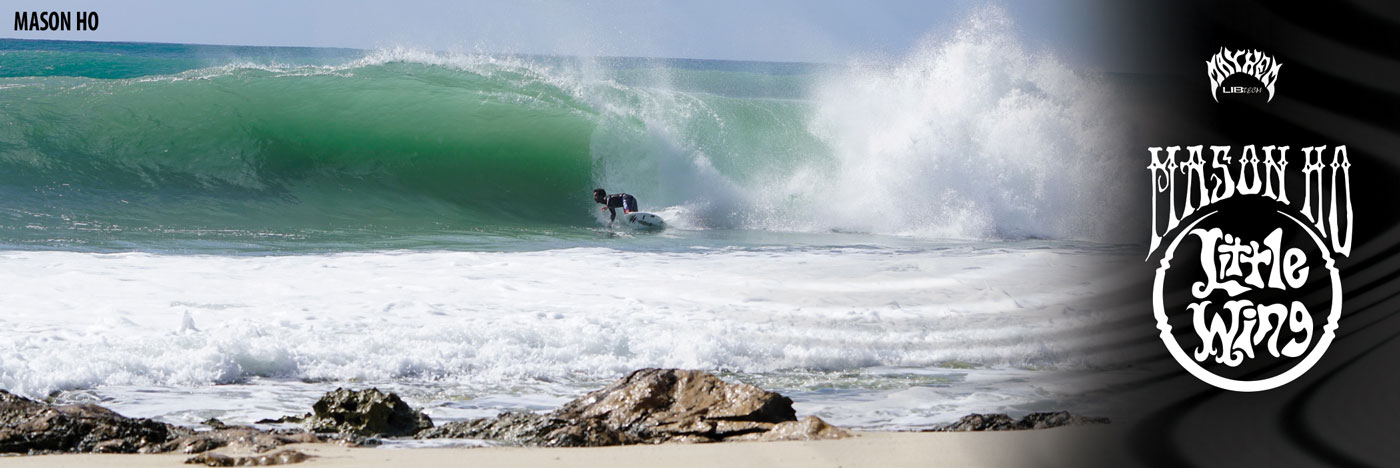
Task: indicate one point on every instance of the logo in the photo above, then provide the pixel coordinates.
(1252, 63)
(1247, 294)
(55, 20)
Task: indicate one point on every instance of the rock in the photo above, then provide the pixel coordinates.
(366, 413)
(1002, 422)
(657, 404)
(513, 427)
(809, 428)
(349, 440)
(240, 438)
(982, 422)
(651, 406)
(532, 429)
(28, 426)
(590, 433)
(285, 457)
(1057, 419)
(15, 409)
(285, 419)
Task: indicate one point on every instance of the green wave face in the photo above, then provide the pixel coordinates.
(375, 147)
(320, 150)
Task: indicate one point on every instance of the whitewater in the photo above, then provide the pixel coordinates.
(205, 231)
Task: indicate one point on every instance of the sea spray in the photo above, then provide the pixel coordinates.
(971, 136)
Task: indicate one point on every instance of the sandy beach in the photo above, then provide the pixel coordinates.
(1066, 446)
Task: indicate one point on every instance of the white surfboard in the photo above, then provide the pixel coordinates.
(640, 220)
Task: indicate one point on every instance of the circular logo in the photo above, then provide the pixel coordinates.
(1231, 299)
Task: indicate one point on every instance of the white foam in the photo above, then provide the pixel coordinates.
(551, 323)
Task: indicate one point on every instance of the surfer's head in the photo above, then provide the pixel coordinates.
(600, 195)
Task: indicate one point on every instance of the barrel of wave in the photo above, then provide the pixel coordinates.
(432, 143)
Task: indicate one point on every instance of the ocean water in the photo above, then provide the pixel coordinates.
(192, 231)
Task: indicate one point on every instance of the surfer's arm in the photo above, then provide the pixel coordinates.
(612, 214)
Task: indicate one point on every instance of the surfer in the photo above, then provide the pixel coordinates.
(612, 202)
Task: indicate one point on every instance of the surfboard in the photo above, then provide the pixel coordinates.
(641, 220)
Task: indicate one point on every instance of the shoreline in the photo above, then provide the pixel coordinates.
(676, 417)
(1070, 446)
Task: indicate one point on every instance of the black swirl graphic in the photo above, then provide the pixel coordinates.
(1339, 84)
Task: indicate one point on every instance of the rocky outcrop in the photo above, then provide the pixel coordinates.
(28, 426)
(648, 406)
(1002, 422)
(369, 413)
(652, 406)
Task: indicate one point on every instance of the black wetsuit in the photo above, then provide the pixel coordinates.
(620, 200)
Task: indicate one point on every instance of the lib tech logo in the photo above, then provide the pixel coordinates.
(1245, 63)
(1247, 294)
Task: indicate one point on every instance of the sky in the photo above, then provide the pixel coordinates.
(765, 30)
